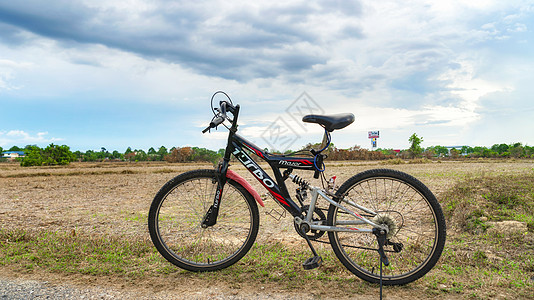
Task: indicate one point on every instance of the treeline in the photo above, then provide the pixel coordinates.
(516, 150)
(62, 155)
(352, 153)
(175, 154)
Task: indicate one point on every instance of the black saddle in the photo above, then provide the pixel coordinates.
(330, 122)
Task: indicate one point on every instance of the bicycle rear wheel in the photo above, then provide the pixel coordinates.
(414, 217)
(178, 210)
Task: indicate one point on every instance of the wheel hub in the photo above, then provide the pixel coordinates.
(389, 222)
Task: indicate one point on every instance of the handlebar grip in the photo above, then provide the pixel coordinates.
(223, 106)
(216, 122)
(222, 111)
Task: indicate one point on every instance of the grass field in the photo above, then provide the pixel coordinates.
(86, 223)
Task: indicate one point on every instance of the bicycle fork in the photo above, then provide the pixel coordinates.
(210, 218)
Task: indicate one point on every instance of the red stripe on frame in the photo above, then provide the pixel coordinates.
(306, 162)
(258, 153)
(280, 198)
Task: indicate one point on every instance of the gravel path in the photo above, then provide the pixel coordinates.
(32, 289)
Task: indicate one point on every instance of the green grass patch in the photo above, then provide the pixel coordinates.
(471, 203)
(62, 252)
(485, 260)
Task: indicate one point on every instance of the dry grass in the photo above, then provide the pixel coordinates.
(90, 219)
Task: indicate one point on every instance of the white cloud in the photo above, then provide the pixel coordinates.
(397, 66)
(21, 138)
(465, 84)
(7, 70)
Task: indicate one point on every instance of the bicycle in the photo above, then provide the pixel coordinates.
(206, 220)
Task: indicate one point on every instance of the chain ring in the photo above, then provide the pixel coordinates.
(318, 215)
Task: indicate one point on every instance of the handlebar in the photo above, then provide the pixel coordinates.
(221, 116)
(214, 123)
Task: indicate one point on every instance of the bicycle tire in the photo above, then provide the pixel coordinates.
(412, 213)
(176, 214)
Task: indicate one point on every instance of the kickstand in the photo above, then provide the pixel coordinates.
(381, 238)
(380, 277)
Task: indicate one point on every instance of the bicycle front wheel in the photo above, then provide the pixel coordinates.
(177, 212)
(407, 207)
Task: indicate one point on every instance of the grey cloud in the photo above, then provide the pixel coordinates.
(241, 45)
(347, 7)
(63, 21)
(11, 35)
(352, 31)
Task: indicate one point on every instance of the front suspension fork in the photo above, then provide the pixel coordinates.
(210, 218)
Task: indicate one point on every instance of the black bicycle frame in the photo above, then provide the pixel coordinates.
(277, 188)
(238, 147)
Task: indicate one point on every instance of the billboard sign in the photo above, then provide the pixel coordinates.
(374, 134)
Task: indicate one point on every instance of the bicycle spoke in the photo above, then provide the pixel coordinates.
(191, 246)
(403, 209)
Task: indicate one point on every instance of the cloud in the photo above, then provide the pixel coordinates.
(21, 138)
(422, 64)
(239, 41)
(6, 73)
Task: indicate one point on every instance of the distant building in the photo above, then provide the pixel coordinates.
(12, 155)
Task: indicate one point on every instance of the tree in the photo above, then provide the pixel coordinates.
(441, 151)
(203, 154)
(15, 148)
(51, 155)
(162, 151)
(140, 155)
(429, 152)
(33, 157)
(415, 145)
(152, 154)
(180, 155)
(79, 155)
(117, 155)
(90, 155)
(467, 150)
(500, 148)
(455, 153)
(516, 150)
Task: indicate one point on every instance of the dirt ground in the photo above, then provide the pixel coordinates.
(114, 199)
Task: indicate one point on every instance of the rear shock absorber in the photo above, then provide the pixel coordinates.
(300, 181)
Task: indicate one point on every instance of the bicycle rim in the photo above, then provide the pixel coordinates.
(186, 243)
(415, 220)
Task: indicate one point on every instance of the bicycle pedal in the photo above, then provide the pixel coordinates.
(312, 263)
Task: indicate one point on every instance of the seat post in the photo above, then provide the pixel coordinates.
(325, 140)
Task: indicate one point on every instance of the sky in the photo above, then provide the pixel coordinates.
(140, 74)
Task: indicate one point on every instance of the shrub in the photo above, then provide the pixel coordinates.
(51, 155)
